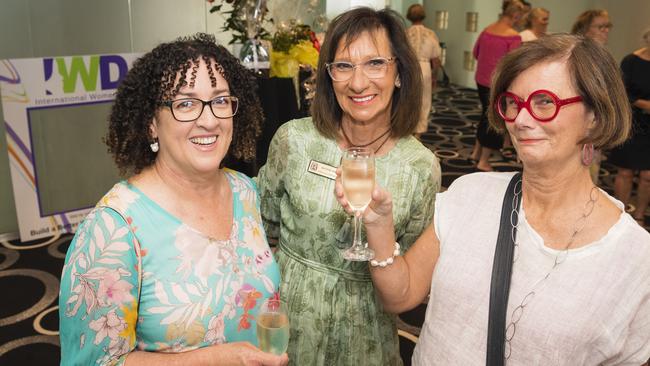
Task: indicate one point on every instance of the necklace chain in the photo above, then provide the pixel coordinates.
(579, 225)
(368, 144)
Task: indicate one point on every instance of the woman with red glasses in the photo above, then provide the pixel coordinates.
(530, 268)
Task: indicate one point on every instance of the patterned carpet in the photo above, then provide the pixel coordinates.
(29, 271)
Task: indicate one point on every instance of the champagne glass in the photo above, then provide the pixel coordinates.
(273, 327)
(358, 179)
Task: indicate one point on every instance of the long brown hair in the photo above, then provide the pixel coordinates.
(406, 102)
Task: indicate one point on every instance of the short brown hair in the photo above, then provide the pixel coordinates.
(416, 13)
(152, 79)
(583, 22)
(407, 100)
(595, 76)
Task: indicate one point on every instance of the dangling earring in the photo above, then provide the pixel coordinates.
(154, 146)
(587, 154)
(398, 82)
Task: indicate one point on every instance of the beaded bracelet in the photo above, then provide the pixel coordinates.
(388, 260)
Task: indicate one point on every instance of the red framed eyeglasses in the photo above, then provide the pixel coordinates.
(543, 105)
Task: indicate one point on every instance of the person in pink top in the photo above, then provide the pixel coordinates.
(493, 43)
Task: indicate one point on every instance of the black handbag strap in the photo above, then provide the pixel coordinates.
(501, 274)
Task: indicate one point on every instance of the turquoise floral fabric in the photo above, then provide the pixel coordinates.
(334, 315)
(137, 278)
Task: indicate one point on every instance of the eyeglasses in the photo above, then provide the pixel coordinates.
(374, 68)
(602, 27)
(190, 109)
(543, 105)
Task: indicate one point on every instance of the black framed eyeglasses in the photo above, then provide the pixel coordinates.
(190, 109)
(543, 105)
(375, 68)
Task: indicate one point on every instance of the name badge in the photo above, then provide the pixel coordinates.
(322, 169)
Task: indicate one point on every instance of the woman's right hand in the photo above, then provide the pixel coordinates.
(245, 354)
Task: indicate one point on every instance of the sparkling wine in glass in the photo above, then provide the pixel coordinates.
(273, 327)
(358, 179)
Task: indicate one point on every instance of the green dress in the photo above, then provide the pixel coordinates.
(335, 316)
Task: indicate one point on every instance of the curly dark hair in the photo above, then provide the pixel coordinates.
(152, 79)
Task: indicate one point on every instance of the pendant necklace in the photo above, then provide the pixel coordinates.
(580, 224)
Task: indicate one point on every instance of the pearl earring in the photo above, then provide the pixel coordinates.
(154, 146)
(398, 82)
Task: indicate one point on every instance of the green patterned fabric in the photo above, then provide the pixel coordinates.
(335, 317)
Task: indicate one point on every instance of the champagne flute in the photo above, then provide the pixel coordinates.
(273, 327)
(358, 179)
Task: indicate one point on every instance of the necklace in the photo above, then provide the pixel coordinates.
(580, 224)
(368, 144)
(381, 145)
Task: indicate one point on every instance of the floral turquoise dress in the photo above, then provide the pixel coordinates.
(137, 278)
(334, 314)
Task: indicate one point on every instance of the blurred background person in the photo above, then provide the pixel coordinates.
(172, 264)
(368, 93)
(536, 24)
(494, 42)
(634, 155)
(594, 24)
(426, 45)
(520, 24)
(575, 253)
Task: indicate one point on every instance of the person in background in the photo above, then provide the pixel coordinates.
(520, 24)
(536, 24)
(594, 24)
(577, 253)
(494, 42)
(634, 155)
(172, 264)
(369, 93)
(427, 49)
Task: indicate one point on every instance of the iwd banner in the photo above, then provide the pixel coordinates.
(28, 85)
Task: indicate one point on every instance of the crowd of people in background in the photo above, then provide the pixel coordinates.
(174, 261)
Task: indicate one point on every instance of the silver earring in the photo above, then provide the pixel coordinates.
(398, 82)
(154, 146)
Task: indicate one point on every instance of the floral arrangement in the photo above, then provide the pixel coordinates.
(293, 45)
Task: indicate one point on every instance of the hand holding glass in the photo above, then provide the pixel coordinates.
(358, 180)
(273, 327)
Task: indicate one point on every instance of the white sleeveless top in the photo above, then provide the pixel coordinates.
(594, 308)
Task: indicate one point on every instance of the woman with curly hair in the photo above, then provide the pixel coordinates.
(171, 265)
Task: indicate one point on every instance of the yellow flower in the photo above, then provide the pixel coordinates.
(130, 318)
